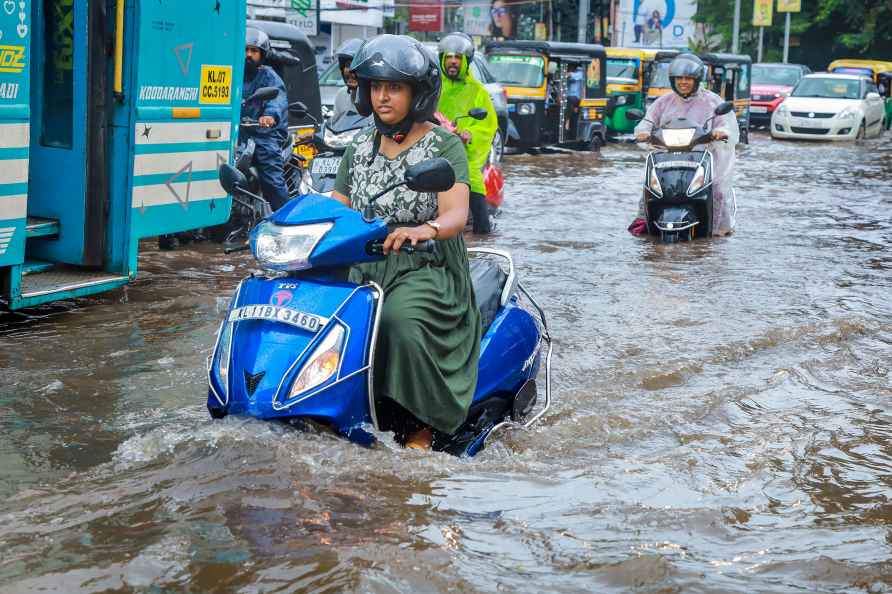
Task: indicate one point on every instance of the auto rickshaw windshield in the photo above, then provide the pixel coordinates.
(624, 68)
(659, 77)
(518, 71)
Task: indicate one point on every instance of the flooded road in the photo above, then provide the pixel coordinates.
(722, 421)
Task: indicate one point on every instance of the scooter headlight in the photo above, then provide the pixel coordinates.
(338, 141)
(286, 247)
(322, 365)
(653, 182)
(526, 108)
(698, 182)
(678, 137)
(224, 348)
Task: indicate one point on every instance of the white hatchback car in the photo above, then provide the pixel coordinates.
(830, 107)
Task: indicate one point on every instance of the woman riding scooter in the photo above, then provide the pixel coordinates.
(426, 362)
(697, 105)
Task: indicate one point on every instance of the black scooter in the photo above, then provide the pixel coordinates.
(678, 187)
(334, 135)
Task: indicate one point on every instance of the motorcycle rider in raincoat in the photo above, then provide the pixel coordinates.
(460, 94)
(272, 115)
(697, 105)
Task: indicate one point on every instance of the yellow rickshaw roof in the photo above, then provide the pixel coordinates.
(625, 52)
(875, 65)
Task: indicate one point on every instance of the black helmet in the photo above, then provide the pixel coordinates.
(686, 65)
(347, 50)
(459, 44)
(401, 59)
(257, 39)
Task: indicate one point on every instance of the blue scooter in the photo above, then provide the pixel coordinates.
(298, 342)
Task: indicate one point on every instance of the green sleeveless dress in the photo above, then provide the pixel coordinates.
(429, 339)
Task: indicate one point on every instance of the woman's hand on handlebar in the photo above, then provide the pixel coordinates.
(719, 135)
(413, 235)
(642, 136)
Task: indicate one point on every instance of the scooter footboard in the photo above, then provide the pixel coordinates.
(297, 348)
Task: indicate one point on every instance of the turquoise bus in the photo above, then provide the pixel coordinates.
(114, 118)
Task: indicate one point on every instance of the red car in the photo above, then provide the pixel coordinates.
(772, 83)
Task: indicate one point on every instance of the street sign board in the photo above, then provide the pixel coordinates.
(762, 13)
(789, 5)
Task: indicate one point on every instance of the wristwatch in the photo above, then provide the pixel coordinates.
(436, 227)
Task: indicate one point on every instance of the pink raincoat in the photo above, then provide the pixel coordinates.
(698, 108)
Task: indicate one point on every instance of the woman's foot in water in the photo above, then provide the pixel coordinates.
(420, 440)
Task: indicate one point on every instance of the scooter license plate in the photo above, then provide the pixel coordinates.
(274, 313)
(326, 165)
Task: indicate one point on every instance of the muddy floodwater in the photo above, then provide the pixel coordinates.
(722, 422)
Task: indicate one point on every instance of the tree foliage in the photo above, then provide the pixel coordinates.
(823, 31)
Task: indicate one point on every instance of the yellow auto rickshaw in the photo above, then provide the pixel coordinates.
(658, 82)
(557, 92)
(629, 72)
(730, 77)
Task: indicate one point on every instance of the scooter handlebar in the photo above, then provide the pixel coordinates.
(376, 248)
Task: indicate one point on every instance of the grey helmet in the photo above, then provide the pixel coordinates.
(347, 51)
(686, 65)
(459, 44)
(257, 39)
(401, 59)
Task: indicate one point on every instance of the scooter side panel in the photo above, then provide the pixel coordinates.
(509, 353)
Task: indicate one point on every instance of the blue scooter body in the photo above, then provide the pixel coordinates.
(278, 323)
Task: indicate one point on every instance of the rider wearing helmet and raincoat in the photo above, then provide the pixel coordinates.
(697, 105)
(272, 116)
(460, 94)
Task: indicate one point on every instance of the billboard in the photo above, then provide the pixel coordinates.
(762, 13)
(656, 23)
(426, 15)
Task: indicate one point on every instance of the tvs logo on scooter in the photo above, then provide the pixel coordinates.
(281, 298)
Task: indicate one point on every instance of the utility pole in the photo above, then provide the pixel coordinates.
(761, 39)
(583, 21)
(787, 39)
(735, 44)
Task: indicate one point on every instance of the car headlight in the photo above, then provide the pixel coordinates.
(847, 113)
(698, 181)
(286, 247)
(322, 364)
(339, 140)
(782, 110)
(526, 108)
(653, 182)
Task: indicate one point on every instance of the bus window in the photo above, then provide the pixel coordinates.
(58, 75)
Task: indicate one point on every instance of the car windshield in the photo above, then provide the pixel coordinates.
(659, 77)
(331, 76)
(776, 75)
(829, 88)
(518, 71)
(626, 68)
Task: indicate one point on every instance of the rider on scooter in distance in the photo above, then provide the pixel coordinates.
(272, 116)
(461, 93)
(697, 105)
(346, 98)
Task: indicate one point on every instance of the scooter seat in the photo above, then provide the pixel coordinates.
(488, 280)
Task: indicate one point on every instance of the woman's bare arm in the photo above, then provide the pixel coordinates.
(341, 198)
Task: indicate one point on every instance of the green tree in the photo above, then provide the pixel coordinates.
(825, 30)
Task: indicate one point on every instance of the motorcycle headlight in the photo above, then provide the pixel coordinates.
(338, 140)
(286, 247)
(323, 363)
(698, 181)
(847, 113)
(653, 182)
(526, 108)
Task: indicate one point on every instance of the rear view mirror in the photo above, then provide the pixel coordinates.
(433, 175)
(299, 109)
(634, 114)
(723, 108)
(478, 113)
(231, 178)
(264, 94)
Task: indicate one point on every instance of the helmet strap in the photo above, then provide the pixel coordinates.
(396, 132)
